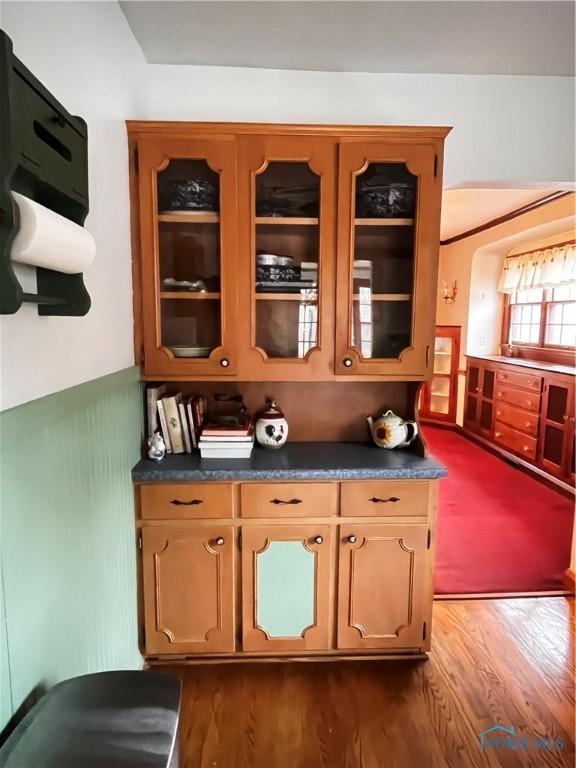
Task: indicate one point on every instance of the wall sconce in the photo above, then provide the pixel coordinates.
(449, 292)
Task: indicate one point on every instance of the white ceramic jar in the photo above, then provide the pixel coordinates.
(271, 427)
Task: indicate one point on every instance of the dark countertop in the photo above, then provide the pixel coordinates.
(295, 461)
(522, 363)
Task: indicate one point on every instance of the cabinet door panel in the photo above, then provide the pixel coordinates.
(388, 234)
(187, 190)
(188, 589)
(287, 209)
(286, 587)
(382, 586)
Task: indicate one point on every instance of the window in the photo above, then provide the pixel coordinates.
(560, 329)
(543, 317)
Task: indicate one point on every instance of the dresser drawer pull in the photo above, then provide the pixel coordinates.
(290, 501)
(497, 434)
(528, 402)
(191, 503)
(527, 424)
(526, 448)
(220, 541)
(318, 539)
(498, 413)
(376, 500)
(502, 376)
(351, 539)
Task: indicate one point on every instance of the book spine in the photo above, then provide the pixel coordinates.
(173, 422)
(164, 426)
(185, 427)
(193, 435)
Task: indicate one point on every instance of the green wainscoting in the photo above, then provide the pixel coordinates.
(286, 588)
(67, 525)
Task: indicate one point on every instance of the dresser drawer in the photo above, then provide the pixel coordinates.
(515, 441)
(527, 400)
(288, 499)
(523, 421)
(384, 498)
(177, 501)
(524, 380)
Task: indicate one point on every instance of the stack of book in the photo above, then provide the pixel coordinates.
(178, 417)
(227, 441)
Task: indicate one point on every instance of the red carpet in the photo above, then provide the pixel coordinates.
(499, 530)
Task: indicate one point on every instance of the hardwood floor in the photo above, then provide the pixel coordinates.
(508, 662)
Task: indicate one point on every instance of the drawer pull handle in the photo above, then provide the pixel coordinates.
(526, 448)
(220, 541)
(191, 503)
(527, 424)
(498, 413)
(281, 501)
(392, 499)
(528, 402)
(351, 539)
(502, 376)
(318, 539)
(530, 382)
(497, 434)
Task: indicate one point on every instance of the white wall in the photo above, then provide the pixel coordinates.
(86, 56)
(505, 128)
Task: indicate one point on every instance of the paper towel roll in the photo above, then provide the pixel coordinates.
(46, 239)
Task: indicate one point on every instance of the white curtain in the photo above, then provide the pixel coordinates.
(541, 269)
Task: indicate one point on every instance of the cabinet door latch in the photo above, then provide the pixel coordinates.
(435, 166)
(239, 539)
(429, 538)
(424, 631)
(140, 541)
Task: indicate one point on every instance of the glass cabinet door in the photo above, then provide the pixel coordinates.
(441, 384)
(187, 192)
(387, 258)
(287, 201)
(556, 428)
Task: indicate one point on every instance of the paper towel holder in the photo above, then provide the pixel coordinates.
(44, 156)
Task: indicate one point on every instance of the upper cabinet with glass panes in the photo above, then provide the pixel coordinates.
(286, 252)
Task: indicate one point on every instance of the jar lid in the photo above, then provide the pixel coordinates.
(272, 411)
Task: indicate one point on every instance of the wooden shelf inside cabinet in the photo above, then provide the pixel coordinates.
(188, 295)
(285, 296)
(182, 217)
(385, 297)
(383, 222)
(286, 220)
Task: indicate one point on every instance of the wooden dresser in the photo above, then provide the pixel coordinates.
(526, 411)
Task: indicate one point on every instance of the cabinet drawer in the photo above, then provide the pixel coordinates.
(523, 421)
(289, 499)
(527, 400)
(524, 380)
(515, 441)
(179, 501)
(384, 498)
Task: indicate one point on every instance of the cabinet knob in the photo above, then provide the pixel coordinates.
(498, 413)
(527, 424)
(352, 539)
(477, 389)
(497, 434)
(225, 362)
(347, 362)
(220, 541)
(526, 448)
(528, 402)
(318, 539)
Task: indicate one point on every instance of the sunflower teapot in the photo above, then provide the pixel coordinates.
(390, 431)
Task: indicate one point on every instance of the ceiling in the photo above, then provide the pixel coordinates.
(465, 209)
(513, 38)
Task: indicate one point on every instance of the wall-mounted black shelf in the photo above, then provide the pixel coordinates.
(44, 156)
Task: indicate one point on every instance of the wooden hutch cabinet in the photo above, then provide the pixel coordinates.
(526, 410)
(362, 239)
(300, 262)
(438, 397)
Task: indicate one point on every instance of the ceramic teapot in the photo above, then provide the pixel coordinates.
(390, 431)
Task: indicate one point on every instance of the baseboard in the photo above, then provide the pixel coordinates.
(570, 580)
(502, 595)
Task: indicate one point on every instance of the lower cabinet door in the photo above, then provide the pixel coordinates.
(382, 586)
(286, 587)
(188, 589)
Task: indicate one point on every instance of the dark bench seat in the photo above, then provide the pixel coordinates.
(105, 720)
